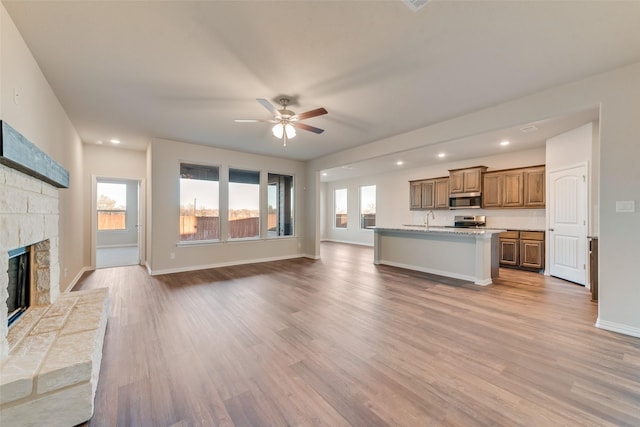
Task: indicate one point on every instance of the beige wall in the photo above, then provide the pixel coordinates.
(41, 119)
(165, 201)
(617, 92)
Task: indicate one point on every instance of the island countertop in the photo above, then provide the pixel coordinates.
(441, 229)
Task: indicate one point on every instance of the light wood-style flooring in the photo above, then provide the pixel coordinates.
(340, 341)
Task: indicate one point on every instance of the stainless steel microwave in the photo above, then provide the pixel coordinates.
(465, 201)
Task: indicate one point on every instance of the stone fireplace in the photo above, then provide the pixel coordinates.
(50, 356)
(29, 218)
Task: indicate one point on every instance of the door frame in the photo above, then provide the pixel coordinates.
(587, 211)
(94, 216)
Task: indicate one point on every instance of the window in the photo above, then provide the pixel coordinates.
(367, 206)
(199, 202)
(244, 204)
(280, 205)
(112, 206)
(341, 207)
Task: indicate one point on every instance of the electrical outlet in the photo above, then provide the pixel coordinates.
(626, 206)
(172, 255)
(66, 272)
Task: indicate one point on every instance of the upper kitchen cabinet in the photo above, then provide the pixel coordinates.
(493, 188)
(466, 180)
(441, 193)
(514, 188)
(415, 195)
(429, 194)
(534, 191)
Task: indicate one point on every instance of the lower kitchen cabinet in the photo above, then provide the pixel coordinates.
(532, 249)
(522, 249)
(509, 248)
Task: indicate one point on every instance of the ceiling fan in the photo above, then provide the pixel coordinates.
(286, 121)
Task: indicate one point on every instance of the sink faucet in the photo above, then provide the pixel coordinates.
(426, 218)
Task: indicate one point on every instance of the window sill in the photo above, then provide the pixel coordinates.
(198, 242)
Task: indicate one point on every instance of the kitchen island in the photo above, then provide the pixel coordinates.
(461, 253)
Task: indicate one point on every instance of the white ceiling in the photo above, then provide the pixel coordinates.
(185, 70)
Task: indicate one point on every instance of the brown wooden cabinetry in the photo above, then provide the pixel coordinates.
(493, 189)
(523, 249)
(466, 180)
(514, 188)
(534, 194)
(415, 195)
(532, 249)
(441, 193)
(429, 194)
(509, 248)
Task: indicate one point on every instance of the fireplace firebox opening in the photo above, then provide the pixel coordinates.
(19, 272)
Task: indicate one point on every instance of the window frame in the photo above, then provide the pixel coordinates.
(335, 209)
(360, 214)
(228, 237)
(125, 229)
(293, 207)
(219, 181)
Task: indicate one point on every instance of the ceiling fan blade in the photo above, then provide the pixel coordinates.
(255, 121)
(307, 127)
(309, 114)
(269, 106)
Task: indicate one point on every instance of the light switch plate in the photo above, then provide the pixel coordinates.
(626, 206)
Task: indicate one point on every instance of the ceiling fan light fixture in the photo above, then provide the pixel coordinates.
(277, 130)
(280, 129)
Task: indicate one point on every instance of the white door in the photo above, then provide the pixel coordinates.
(568, 224)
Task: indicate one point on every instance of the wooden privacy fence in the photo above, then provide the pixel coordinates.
(112, 220)
(208, 227)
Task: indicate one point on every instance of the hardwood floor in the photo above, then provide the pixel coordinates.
(340, 342)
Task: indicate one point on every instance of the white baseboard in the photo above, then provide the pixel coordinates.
(218, 265)
(77, 278)
(618, 327)
(436, 272)
(316, 257)
(348, 242)
(124, 245)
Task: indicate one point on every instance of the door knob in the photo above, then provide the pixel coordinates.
(551, 229)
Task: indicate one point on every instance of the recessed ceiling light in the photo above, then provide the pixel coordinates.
(114, 141)
(505, 142)
(528, 128)
(99, 142)
(441, 155)
(399, 163)
(324, 174)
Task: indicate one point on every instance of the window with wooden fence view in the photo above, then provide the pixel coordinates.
(244, 204)
(199, 202)
(340, 204)
(367, 206)
(111, 206)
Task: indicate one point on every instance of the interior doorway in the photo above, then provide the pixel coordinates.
(117, 222)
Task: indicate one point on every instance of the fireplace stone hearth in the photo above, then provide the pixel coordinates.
(50, 357)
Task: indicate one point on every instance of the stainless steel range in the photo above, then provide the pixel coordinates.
(470, 221)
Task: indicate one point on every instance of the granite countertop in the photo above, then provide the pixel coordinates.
(440, 229)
